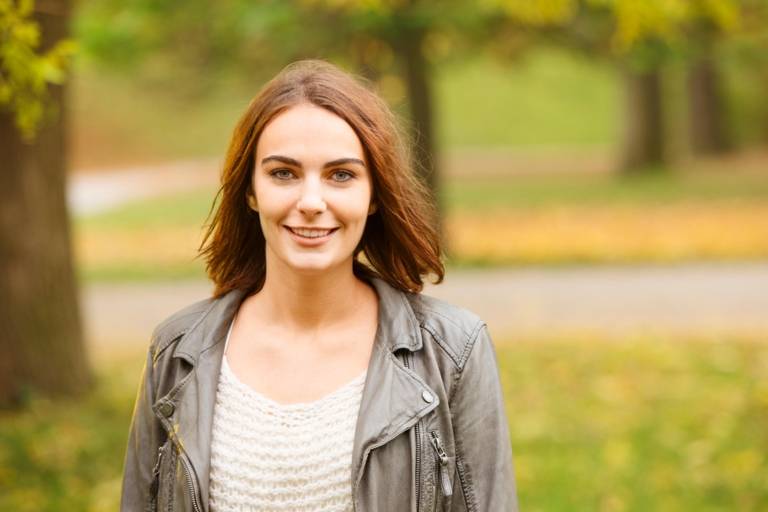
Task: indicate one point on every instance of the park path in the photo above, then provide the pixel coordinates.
(96, 191)
(700, 300)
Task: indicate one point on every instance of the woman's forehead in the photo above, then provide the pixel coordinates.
(308, 132)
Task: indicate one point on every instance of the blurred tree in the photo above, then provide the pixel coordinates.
(752, 42)
(188, 46)
(708, 23)
(41, 336)
(640, 37)
(623, 32)
(707, 129)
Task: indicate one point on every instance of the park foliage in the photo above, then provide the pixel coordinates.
(25, 70)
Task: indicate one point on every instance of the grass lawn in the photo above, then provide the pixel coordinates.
(596, 425)
(547, 98)
(638, 425)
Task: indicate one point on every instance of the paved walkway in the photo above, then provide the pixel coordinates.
(701, 299)
(97, 191)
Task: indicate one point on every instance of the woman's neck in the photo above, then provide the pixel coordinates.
(307, 301)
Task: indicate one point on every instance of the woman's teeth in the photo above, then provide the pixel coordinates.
(311, 233)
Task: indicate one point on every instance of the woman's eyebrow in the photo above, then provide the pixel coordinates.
(342, 161)
(292, 161)
(280, 158)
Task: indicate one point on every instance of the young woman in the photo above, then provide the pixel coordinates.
(318, 377)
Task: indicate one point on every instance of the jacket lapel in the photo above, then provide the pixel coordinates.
(202, 347)
(393, 396)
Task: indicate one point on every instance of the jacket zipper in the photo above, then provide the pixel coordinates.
(191, 486)
(442, 468)
(418, 449)
(155, 479)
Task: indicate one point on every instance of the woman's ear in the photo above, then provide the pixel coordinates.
(251, 200)
(372, 208)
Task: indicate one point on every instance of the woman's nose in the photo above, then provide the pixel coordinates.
(311, 201)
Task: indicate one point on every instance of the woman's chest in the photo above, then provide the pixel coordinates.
(292, 364)
(287, 374)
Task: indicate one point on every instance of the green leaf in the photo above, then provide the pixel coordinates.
(26, 72)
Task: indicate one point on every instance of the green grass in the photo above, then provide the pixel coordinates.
(141, 272)
(644, 425)
(118, 122)
(615, 424)
(549, 98)
(526, 192)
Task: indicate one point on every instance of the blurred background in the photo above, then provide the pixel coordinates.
(602, 174)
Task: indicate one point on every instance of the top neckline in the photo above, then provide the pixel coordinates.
(293, 406)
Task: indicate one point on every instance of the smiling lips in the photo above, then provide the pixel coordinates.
(311, 233)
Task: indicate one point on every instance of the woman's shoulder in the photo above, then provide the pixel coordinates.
(179, 322)
(455, 328)
(210, 311)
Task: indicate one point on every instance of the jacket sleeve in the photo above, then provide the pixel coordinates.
(483, 449)
(143, 442)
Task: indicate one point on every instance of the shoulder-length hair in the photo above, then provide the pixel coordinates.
(400, 242)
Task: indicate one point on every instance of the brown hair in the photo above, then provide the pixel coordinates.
(400, 242)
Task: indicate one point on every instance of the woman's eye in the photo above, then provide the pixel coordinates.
(342, 175)
(281, 174)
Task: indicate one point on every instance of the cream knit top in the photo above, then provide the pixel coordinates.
(267, 456)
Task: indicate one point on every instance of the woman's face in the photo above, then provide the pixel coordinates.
(312, 188)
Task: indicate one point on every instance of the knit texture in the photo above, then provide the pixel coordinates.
(268, 456)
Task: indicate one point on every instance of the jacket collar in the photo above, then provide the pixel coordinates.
(397, 321)
(393, 395)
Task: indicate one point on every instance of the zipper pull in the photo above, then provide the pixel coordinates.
(156, 469)
(445, 478)
(155, 478)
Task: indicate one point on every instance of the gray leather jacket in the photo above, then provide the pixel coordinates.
(431, 434)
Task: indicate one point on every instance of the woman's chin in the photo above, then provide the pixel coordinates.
(312, 266)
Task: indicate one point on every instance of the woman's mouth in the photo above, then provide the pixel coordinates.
(311, 236)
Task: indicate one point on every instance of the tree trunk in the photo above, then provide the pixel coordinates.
(416, 71)
(41, 336)
(643, 144)
(706, 125)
